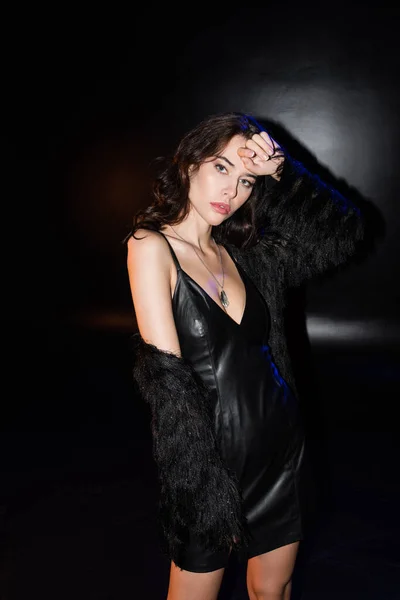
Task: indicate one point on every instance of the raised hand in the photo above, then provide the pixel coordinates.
(262, 155)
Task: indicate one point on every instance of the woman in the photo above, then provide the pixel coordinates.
(235, 222)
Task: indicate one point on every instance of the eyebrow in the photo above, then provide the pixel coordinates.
(232, 165)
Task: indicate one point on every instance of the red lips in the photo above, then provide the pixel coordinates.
(220, 207)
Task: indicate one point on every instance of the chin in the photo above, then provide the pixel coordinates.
(216, 222)
(217, 218)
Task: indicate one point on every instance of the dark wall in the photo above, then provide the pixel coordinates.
(91, 99)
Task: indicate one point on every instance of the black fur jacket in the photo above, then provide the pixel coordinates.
(314, 228)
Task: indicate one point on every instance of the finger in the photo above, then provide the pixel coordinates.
(249, 164)
(262, 151)
(266, 137)
(245, 152)
(270, 140)
(266, 144)
(252, 166)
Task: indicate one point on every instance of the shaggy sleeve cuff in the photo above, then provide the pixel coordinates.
(197, 492)
(318, 227)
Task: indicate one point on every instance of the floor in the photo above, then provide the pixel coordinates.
(78, 490)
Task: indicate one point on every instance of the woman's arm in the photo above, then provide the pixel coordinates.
(149, 271)
(197, 491)
(319, 228)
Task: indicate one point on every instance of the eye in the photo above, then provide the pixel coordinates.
(221, 168)
(247, 183)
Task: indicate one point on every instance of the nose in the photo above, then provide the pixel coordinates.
(230, 190)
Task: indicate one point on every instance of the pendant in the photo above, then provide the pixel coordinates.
(224, 299)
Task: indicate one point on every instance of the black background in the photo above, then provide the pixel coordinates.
(89, 99)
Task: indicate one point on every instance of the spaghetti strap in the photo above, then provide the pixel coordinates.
(176, 261)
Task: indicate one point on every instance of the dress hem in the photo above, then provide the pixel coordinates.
(242, 556)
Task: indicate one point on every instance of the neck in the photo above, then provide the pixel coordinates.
(197, 234)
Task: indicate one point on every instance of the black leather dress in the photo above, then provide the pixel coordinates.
(256, 416)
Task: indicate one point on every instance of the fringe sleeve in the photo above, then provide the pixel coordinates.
(316, 226)
(197, 492)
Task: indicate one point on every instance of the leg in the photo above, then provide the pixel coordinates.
(196, 586)
(269, 575)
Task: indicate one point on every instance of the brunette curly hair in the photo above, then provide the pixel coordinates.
(170, 186)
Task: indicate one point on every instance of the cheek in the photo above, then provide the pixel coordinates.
(245, 195)
(201, 184)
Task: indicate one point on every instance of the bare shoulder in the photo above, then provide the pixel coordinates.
(146, 239)
(147, 249)
(149, 269)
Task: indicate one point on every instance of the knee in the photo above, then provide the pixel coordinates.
(265, 589)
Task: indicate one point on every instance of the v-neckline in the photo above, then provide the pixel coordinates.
(239, 272)
(216, 304)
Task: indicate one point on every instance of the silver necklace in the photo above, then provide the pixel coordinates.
(222, 295)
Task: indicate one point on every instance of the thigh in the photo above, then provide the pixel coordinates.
(272, 570)
(196, 586)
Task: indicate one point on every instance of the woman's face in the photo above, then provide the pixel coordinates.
(221, 185)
